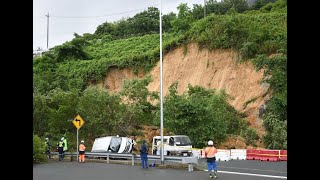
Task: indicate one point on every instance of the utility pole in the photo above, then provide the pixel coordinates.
(161, 96)
(47, 30)
(204, 8)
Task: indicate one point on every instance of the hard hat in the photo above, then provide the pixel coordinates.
(82, 141)
(47, 138)
(62, 138)
(210, 143)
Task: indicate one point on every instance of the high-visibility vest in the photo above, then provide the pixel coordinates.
(82, 147)
(210, 152)
(60, 144)
(65, 146)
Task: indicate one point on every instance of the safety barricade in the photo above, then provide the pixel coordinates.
(238, 154)
(223, 155)
(283, 155)
(202, 153)
(269, 155)
(197, 153)
(253, 154)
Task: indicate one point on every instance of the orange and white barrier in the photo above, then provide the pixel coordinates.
(269, 155)
(246, 154)
(223, 155)
(238, 154)
(283, 155)
(253, 154)
(196, 153)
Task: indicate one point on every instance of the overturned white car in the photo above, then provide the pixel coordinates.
(113, 144)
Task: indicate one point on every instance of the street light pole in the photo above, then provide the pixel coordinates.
(204, 8)
(161, 94)
(47, 30)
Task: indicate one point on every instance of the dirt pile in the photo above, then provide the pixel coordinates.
(216, 69)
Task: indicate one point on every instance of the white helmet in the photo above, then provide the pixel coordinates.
(82, 141)
(210, 143)
(62, 138)
(47, 138)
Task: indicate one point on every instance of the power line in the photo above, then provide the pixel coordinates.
(101, 15)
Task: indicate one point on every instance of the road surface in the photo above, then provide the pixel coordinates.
(228, 170)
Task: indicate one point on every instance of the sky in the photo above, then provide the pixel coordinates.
(84, 16)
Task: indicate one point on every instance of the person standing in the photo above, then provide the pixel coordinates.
(210, 154)
(82, 149)
(144, 154)
(65, 145)
(48, 147)
(60, 149)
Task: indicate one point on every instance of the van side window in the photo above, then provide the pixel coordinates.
(171, 141)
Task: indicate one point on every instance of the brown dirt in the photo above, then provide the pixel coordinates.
(115, 76)
(216, 69)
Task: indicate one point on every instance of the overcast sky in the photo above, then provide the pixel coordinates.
(62, 27)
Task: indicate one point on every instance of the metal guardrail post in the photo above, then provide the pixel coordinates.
(190, 167)
(132, 160)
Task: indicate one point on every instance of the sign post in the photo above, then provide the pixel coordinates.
(78, 122)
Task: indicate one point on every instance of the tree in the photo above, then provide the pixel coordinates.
(101, 110)
(206, 111)
(184, 20)
(62, 109)
(167, 19)
(40, 113)
(145, 22)
(197, 11)
(138, 100)
(38, 150)
(260, 3)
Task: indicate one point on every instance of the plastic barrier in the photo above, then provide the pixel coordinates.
(223, 155)
(196, 153)
(253, 154)
(238, 154)
(269, 155)
(202, 153)
(283, 155)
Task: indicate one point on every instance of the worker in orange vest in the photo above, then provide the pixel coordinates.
(82, 149)
(210, 154)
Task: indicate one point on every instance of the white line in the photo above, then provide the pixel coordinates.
(251, 169)
(249, 174)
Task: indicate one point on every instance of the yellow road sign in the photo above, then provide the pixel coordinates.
(78, 121)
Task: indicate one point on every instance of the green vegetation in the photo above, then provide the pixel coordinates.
(38, 150)
(201, 114)
(249, 101)
(62, 76)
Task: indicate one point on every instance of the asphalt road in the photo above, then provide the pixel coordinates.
(227, 170)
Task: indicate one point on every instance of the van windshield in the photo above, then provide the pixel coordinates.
(182, 141)
(115, 144)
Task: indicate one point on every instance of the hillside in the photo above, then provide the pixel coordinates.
(215, 69)
(227, 66)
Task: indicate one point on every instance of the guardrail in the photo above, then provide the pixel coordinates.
(183, 160)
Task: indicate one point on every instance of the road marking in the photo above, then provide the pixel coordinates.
(250, 174)
(252, 169)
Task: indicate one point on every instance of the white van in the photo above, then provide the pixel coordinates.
(173, 145)
(113, 144)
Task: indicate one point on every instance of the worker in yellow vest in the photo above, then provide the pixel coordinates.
(60, 149)
(210, 154)
(82, 149)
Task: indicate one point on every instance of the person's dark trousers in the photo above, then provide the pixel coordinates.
(48, 153)
(144, 160)
(60, 150)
